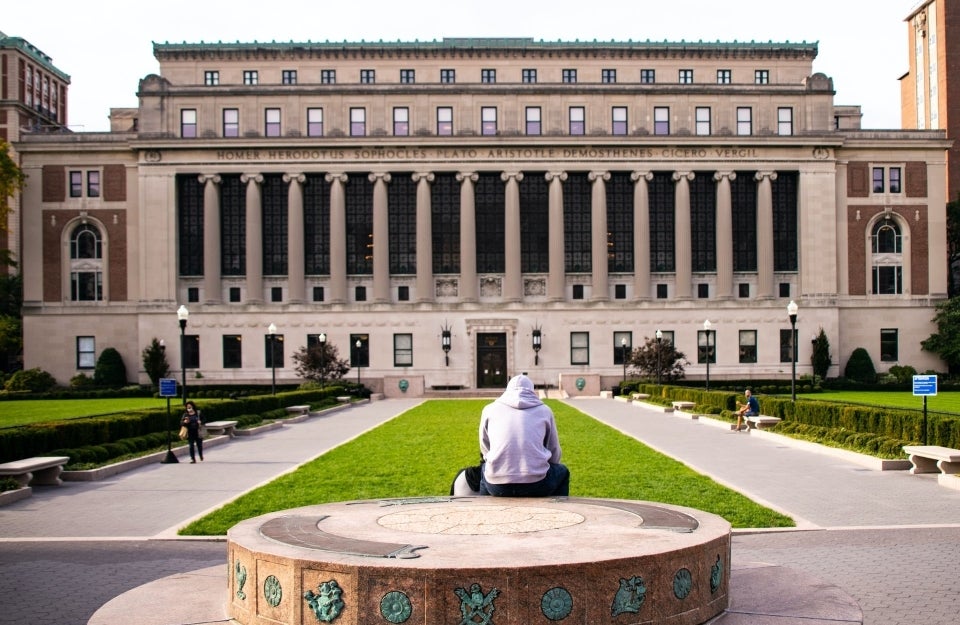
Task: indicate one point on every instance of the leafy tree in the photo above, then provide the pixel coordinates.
(821, 359)
(860, 367)
(11, 181)
(155, 362)
(320, 362)
(945, 342)
(643, 361)
(11, 326)
(109, 370)
(953, 247)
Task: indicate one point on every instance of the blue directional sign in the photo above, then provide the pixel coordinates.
(925, 385)
(168, 387)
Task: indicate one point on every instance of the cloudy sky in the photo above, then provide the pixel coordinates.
(106, 46)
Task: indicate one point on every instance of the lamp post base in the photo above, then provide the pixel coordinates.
(170, 458)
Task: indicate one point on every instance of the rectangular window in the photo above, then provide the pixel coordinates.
(273, 351)
(685, 76)
(401, 121)
(748, 346)
(895, 180)
(193, 295)
(785, 121)
(318, 294)
(887, 279)
(622, 346)
(360, 293)
(878, 179)
(533, 120)
(706, 346)
(744, 120)
(786, 345)
(402, 350)
(233, 294)
(188, 123)
(232, 351)
(368, 76)
(784, 289)
(314, 122)
(648, 76)
(211, 78)
(271, 119)
(403, 293)
(276, 294)
(528, 75)
(488, 76)
(251, 77)
(359, 350)
(488, 120)
(93, 184)
(608, 75)
(358, 122)
(191, 351)
(618, 116)
(408, 76)
(761, 76)
(723, 76)
(569, 75)
(231, 122)
(328, 77)
(703, 120)
(288, 76)
(76, 184)
(620, 291)
(889, 345)
(661, 120)
(577, 120)
(86, 352)
(662, 291)
(448, 76)
(743, 289)
(703, 290)
(579, 348)
(577, 291)
(445, 121)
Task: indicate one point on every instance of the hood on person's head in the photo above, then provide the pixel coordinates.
(520, 393)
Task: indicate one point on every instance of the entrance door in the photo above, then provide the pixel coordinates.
(491, 360)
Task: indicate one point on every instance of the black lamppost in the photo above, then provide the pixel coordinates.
(272, 330)
(322, 340)
(358, 345)
(623, 355)
(182, 315)
(537, 344)
(659, 341)
(444, 343)
(792, 309)
(706, 328)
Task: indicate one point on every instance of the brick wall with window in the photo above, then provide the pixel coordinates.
(113, 226)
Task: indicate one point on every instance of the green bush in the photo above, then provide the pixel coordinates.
(81, 380)
(860, 367)
(110, 371)
(903, 374)
(8, 483)
(35, 380)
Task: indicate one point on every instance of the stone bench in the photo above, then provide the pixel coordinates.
(933, 458)
(683, 405)
(298, 410)
(344, 398)
(640, 396)
(216, 428)
(761, 422)
(42, 470)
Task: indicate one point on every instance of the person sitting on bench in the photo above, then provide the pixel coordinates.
(749, 409)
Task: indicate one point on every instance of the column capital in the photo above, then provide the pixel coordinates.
(679, 175)
(301, 178)
(593, 176)
(555, 175)
(338, 177)
(425, 175)
(760, 175)
(257, 178)
(637, 175)
(381, 175)
(472, 176)
(205, 178)
(507, 175)
(720, 175)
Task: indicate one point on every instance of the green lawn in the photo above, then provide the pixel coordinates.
(418, 453)
(23, 412)
(942, 402)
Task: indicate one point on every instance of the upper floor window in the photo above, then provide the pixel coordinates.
(488, 120)
(577, 115)
(211, 78)
(358, 122)
(886, 180)
(314, 122)
(886, 238)
(661, 120)
(231, 122)
(86, 271)
(887, 258)
(401, 121)
(271, 123)
(76, 184)
(251, 77)
(724, 76)
(488, 75)
(618, 116)
(761, 76)
(528, 75)
(408, 76)
(685, 76)
(288, 76)
(785, 120)
(448, 76)
(444, 120)
(328, 76)
(744, 120)
(703, 120)
(569, 75)
(533, 120)
(86, 243)
(93, 183)
(188, 123)
(368, 76)
(894, 177)
(648, 76)
(608, 75)
(878, 179)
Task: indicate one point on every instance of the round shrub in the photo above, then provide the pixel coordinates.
(860, 367)
(110, 371)
(35, 380)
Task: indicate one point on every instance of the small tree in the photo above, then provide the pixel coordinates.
(820, 359)
(860, 367)
(320, 362)
(945, 342)
(155, 362)
(643, 360)
(110, 371)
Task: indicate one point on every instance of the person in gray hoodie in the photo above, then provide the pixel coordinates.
(520, 446)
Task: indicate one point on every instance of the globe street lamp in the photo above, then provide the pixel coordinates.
(706, 328)
(272, 330)
(322, 340)
(792, 309)
(623, 355)
(659, 340)
(358, 345)
(182, 315)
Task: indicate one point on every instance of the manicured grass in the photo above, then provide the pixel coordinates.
(942, 402)
(23, 412)
(418, 454)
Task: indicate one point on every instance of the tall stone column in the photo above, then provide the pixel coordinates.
(212, 292)
(254, 239)
(424, 284)
(641, 234)
(469, 284)
(381, 238)
(296, 255)
(765, 233)
(556, 280)
(599, 247)
(338, 238)
(682, 239)
(512, 275)
(725, 236)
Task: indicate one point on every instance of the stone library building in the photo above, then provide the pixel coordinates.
(450, 213)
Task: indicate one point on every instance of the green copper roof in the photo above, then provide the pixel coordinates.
(33, 52)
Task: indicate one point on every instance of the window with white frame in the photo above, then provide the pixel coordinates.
(685, 76)
(401, 121)
(724, 76)
(702, 114)
(358, 122)
(315, 122)
(76, 179)
(661, 120)
(532, 116)
(368, 76)
(894, 180)
(761, 76)
(744, 120)
(444, 121)
(211, 78)
(408, 76)
(528, 75)
(785, 121)
(448, 76)
(86, 264)
(488, 75)
(579, 348)
(188, 123)
(402, 350)
(887, 258)
(231, 122)
(288, 77)
(271, 122)
(488, 120)
(93, 183)
(648, 76)
(251, 77)
(608, 75)
(328, 77)
(86, 352)
(569, 75)
(76, 184)
(577, 114)
(887, 180)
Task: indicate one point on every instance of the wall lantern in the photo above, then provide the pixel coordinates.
(537, 344)
(445, 343)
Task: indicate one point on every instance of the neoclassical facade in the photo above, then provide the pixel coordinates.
(450, 213)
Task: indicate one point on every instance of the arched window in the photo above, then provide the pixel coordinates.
(887, 258)
(886, 238)
(86, 243)
(86, 264)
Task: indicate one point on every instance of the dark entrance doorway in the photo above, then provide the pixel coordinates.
(491, 360)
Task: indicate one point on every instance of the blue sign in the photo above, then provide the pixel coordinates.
(168, 387)
(925, 385)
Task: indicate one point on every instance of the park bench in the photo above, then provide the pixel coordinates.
(298, 410)
(41, 470)
(216, 428)
(640, 396)
(931, 458)
(761, 422)
(343, 398)
(683, 405)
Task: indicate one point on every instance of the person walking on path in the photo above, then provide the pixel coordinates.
(749, 409)
(192, 420)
